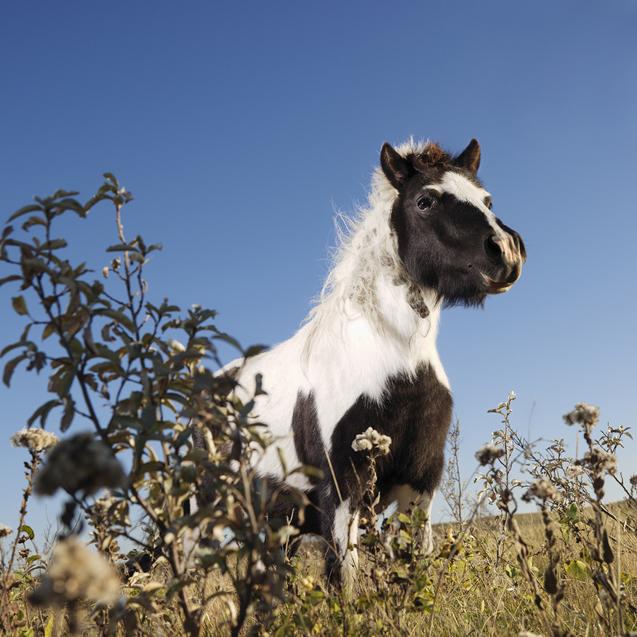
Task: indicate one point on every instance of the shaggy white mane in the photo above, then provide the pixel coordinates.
(366, 245)
(366, 252)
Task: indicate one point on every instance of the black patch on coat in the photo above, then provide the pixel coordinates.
(415, 411)
(286, 509)
(416, 414)
(307, 434)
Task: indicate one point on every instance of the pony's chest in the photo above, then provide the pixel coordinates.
(414, 412)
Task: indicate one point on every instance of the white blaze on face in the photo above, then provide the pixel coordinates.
(466, 191)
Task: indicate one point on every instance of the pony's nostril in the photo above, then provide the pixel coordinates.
(492, 247)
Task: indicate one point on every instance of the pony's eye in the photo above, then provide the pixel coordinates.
(424, 203)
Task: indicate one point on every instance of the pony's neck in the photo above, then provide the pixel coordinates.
(383, 323)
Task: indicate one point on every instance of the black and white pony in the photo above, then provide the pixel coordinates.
(367, 354)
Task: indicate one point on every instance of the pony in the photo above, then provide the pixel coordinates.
(366, 355)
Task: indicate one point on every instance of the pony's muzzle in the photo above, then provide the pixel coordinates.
(509, 252)
(507, 249)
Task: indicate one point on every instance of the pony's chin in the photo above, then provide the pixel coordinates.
(496, 287)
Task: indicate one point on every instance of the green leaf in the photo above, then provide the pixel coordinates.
(19, 305)
(37, 264)
(577, 570)
(8, 348)
(43, 412)
(58, 194)
(24, 210)
(316, 596)
(60, 384)
(54, 244)
(120, 317)
(175, 588)
(69, 412)
(311, 471)
(100, 196)
(10, 367)
(49, 328)
(282, 460)
(33, 221)
(254, 350)
(112, 179)
(28, 530)
(128, 421)
(48, 629)
(13, 277)
(229, 340)
(71, 204)
(122, 247)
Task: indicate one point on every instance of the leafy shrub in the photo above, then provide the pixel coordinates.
(114, 351)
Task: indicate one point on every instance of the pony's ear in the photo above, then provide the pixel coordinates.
(396, 168)
(469, 158)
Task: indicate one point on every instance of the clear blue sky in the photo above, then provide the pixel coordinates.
(241, 127)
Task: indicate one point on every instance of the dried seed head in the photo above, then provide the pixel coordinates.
(543, 490)
(600, 461)
(102, 506)
(573, 470)
(488, 453)
(76, 573)
(34, 439)
(584, 414)
(5, 531)
(79, 463)
(371, 438)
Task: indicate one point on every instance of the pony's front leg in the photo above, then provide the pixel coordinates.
(341, 533)
(346, 519)
(406, 499)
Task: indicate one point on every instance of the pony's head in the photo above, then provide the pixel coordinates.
(448, 239)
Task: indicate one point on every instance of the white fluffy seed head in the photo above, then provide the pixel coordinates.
(542, 489)
(488, 453)
(583, 414)
(371, 439)
(34, 439)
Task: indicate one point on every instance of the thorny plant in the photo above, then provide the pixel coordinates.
(499, 483)
(558, 486)
(142, 395)
(453, 488)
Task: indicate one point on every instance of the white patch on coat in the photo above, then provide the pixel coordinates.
(405, 495)
(346, 535)
(464, 190)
